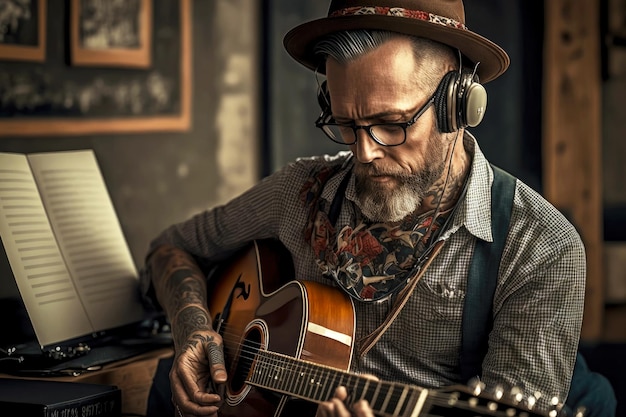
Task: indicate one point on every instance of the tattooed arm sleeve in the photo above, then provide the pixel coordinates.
(180, 288)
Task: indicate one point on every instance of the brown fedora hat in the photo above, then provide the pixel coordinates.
(439, 20)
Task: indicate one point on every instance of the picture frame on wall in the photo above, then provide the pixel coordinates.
(111, 33)
(57, 99)
(23, 30)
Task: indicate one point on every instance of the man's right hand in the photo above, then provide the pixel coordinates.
(198, 375)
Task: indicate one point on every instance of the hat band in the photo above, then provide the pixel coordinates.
(398, 12)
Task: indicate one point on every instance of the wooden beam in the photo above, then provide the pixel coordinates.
(572, 134)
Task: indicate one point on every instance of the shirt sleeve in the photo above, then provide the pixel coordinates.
(270, 209)
(538, 307)
(215, 233)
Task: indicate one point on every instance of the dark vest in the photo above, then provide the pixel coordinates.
(590, 390)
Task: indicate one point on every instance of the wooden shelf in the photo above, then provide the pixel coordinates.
(133, 376)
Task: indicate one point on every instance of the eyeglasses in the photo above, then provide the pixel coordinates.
(385, 134)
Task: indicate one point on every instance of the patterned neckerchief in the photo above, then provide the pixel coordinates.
(370, 261)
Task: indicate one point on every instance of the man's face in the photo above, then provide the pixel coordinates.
(381, 87)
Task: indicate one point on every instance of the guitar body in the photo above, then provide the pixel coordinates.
(258, 305)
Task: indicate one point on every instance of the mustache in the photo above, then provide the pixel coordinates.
(372, 170)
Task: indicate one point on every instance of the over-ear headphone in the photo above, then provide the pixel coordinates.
(460, 101)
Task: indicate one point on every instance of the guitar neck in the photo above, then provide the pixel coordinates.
(316, 383)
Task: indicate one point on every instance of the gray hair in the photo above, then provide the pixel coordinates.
(349, 45)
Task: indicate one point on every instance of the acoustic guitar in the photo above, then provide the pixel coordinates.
(286, 339)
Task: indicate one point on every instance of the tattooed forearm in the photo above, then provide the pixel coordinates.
(181, 290)
(167, 260)
(184, 289)
(188, 321)
(170, 268)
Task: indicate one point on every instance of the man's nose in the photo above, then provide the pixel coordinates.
(366, 149)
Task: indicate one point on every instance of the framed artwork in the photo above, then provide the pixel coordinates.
(23, 30)
(60, 100)
(111, 33)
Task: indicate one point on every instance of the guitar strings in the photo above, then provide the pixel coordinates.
(249, 351)
(305, 374)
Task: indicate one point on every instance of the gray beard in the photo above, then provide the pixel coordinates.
(381, 204)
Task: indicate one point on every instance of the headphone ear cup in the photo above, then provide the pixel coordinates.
(460, 101)
(443, 100)
(323, 97)
(474, 103)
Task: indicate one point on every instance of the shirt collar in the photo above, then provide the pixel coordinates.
(330, 189)
(475, 211)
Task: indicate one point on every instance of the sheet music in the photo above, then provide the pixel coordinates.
(38, 266)
(89, 235)
(66, 246)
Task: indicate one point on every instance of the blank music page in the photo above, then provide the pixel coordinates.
(90, 237)
(44, 282)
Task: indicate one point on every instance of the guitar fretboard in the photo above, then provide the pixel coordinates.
(317, 383)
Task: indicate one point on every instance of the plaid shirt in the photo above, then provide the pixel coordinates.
(537, 306)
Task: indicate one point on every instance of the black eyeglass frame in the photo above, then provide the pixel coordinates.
(326, 119)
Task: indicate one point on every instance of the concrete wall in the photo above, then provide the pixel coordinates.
(155, 179)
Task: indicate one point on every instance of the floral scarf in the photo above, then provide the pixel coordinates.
(370, 261)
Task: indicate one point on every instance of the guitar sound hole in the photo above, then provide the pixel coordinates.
(249, 348)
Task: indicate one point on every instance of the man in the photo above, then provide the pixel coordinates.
(393, 222)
